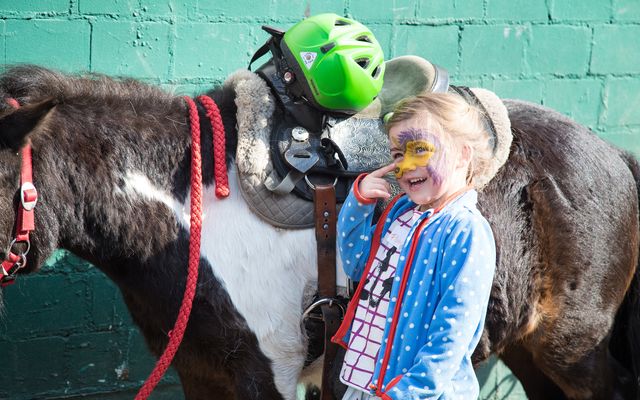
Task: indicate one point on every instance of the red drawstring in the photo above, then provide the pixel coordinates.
(222, 190)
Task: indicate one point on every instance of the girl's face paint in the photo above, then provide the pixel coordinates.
(422, 165)
(414, 148)
(416, 154)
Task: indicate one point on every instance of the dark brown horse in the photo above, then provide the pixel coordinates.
(111, 163)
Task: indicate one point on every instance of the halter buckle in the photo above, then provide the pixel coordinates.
(28, 196)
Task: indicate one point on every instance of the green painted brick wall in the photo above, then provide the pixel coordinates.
(66, 332)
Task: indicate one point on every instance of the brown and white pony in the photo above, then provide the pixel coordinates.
(111, 163)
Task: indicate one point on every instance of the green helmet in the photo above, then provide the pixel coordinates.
(333, 62)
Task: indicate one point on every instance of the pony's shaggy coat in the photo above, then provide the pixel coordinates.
(111, 163)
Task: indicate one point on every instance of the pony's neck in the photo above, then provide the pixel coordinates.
(123, 178)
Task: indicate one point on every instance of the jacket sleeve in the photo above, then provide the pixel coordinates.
(355, 230)
(468, 265)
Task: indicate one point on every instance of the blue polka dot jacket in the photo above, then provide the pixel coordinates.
(438, 299)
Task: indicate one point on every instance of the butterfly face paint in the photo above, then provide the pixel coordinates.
(419, 149)
(416, 154)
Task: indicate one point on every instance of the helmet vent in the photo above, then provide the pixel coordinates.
(363, 62)
(376, 72)
(341, 22)
(364, 38)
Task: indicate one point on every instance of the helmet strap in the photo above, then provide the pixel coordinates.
(302, 112)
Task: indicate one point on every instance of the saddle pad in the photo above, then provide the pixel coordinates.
(256, 106)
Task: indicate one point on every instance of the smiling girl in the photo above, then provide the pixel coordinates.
(425, 269)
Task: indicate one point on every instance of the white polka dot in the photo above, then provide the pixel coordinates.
(444, 275)
(366, 238)
(404, 370)
(405, 315)
(429, 240)
(397, 279)
(438, 230)
(411, 325)
(441, 328)
(458, 300)
(349, 204)
(445, 308)
(366, 215)
(394, 299)
(389, 319)
(450, 287)
(358, 255)
(420, 283)
(426, 326)
(344, 234)
(407, 348)
(388, 220)
(464, 250)
(352, 219)
(429, 344)
(454, 262)
(401, 258)
(431, 272)
(425, 261)
(415, 304)
(350, 245)
(348, 262)
(434, 250)
(409, 293)
(444, 339)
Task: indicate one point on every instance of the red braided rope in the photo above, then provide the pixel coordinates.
(220, 164)
(175, 336)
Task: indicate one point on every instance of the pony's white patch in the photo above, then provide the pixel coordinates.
(264, 269)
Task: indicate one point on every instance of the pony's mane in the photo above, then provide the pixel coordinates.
(29, 83)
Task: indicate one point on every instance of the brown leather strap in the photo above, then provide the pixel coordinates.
(324, 199)
(332, 317)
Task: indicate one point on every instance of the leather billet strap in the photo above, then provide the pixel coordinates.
(324, 199)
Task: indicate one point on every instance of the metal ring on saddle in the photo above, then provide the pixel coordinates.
(320, 302)
(313, 187)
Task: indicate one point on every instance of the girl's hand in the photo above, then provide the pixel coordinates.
(374, 186)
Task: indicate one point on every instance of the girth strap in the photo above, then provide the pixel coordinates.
(324, 199)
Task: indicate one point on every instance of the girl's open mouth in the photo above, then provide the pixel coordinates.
(415, 182)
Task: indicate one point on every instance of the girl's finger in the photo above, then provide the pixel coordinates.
(379, 173)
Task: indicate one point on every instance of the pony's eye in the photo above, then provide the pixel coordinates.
(395, 156)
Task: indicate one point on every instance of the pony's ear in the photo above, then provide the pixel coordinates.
(16, 126)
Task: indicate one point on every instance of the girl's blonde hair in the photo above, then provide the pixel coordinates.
(461, 122)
